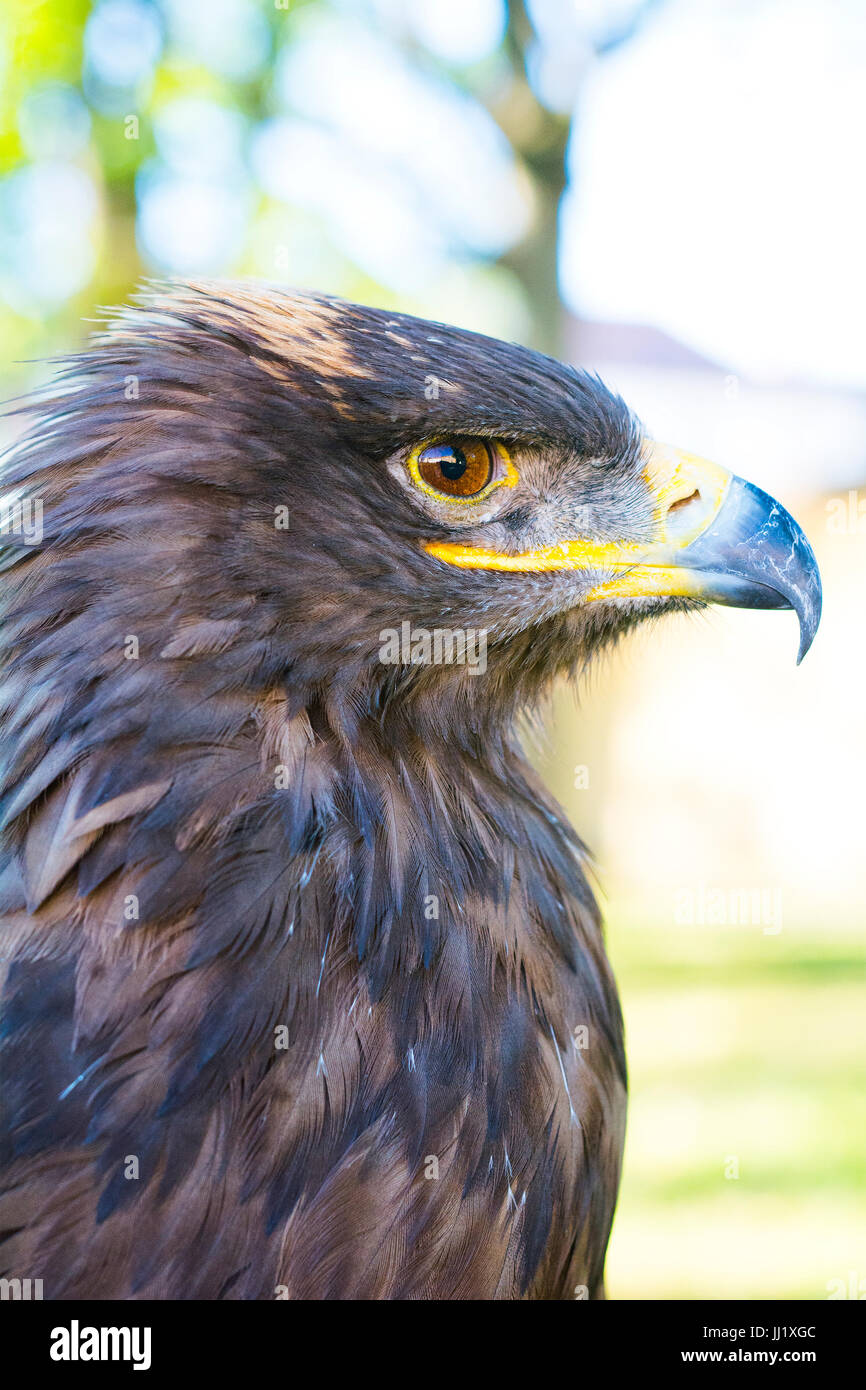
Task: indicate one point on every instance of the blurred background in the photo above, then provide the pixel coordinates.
(667, 191)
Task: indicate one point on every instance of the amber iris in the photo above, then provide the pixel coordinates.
(457, 470)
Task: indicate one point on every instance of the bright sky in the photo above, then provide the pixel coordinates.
(721, 191)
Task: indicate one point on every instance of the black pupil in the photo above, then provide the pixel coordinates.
(453, 464)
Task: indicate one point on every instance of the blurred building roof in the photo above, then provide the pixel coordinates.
(792, 437)
(596, 340)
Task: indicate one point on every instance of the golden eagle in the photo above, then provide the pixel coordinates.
(305, 991)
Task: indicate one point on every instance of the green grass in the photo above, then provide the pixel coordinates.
(747, 1053)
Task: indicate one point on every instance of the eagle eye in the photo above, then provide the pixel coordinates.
(460, 470)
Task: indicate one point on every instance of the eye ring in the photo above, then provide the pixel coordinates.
(502, 471)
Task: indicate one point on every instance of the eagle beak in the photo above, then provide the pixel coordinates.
(715, 538)
(720, 540)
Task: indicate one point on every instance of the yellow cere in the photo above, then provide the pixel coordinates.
(500, 459)
(672, 476)
(688, 492)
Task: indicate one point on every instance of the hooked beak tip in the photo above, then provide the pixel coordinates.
(808, 612)
(754, 555)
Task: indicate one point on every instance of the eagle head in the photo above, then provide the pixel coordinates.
(298, 478)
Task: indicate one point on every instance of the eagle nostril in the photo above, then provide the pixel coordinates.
(684, 515)
(684, 501)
